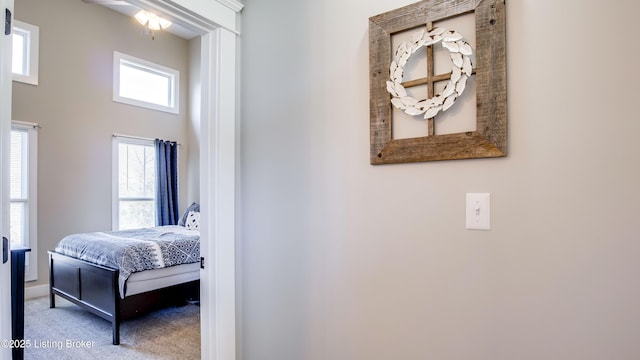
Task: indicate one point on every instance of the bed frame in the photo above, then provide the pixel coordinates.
(95, 288)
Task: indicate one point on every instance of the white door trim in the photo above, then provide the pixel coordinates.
(217, 171)
(5, 131)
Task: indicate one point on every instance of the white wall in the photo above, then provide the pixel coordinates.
(342, 260)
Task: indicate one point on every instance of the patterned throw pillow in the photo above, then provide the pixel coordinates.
(193, 207)
(193, 220)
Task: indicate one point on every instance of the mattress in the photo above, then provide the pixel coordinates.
(148, 280)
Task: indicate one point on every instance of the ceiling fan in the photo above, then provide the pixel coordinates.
(128, 9)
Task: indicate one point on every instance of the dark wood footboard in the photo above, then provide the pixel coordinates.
(95, 288)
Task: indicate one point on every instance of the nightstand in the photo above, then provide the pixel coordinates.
(17, 297)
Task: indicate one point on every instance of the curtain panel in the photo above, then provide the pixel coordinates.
(166, 182)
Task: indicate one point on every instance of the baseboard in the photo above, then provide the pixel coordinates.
(33, 292)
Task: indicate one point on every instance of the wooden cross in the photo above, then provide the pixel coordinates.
(430, 80)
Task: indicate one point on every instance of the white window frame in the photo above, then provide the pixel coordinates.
(31, 48)
(171, 74)
(31, 229)
(115, 181)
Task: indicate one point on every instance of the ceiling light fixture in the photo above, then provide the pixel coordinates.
(152, 22)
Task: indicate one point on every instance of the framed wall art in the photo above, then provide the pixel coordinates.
(434, 64)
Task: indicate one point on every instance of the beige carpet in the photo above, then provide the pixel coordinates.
(69, 332)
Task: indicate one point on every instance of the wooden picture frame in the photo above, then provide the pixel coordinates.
(490, 137)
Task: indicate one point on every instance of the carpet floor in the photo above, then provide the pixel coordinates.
(69, 332)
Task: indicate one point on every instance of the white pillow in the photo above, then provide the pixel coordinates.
(193, 220)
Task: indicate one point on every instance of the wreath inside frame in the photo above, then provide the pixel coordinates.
(461, 69)
(489, 139)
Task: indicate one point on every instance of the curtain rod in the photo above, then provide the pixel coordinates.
(26, 123)
(138, 138)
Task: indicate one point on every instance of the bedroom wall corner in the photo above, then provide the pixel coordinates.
(193, 125)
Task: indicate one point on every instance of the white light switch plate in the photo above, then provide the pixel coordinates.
(479, 211)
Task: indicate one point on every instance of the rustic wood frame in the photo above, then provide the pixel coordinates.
(490, 137)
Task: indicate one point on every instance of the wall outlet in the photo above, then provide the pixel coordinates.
(478, 211)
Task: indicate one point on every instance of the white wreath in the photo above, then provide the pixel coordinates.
(460, 71)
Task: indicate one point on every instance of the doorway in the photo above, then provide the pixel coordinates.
(216, 22)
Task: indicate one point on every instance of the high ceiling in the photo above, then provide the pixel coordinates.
(128, 9)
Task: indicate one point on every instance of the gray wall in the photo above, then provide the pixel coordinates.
(193, 128)
(73, 104)
(342, 260)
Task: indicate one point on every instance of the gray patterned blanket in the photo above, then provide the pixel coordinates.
(133, 250)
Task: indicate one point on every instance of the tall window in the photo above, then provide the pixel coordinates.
(142, 83)
(134, 183)
(23, 187)
(24, 64)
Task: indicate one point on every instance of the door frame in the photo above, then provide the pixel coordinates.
(5, 140)
(218, 23)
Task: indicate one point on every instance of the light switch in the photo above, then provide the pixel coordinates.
(479, 211)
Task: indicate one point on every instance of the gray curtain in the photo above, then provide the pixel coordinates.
(166, 182)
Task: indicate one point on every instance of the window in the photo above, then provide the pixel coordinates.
(25, 52)
(23, 187)
(134, 183)
(142, 83)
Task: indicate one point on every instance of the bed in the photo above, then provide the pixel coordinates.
(117, 275)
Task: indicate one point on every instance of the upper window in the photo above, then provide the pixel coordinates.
(25, 52)
(142, 83)
(134, 185)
